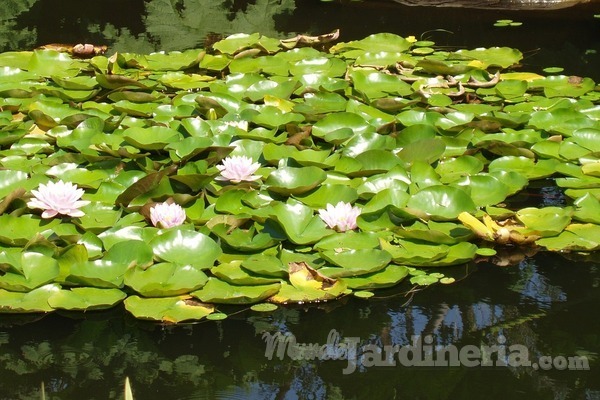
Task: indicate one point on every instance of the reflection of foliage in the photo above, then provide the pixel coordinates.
(97, 351)
(10, 37)
(183, 24)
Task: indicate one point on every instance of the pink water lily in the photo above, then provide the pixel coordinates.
(237, 169)
(341, 217)
(58, 198)
(166, 215)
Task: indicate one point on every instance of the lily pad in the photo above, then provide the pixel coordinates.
(29, 271)
(86, 299)
(221, 292)
(167, 309)
(443, 202)
(35, 301)
(547, 221)
(289, 180)
(165, 279)
(354, 262)
(235, 274)
(387, 277)
(185, 247)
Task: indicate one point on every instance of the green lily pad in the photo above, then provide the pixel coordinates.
(86, 299)
(244, 239)
(442, 202)
(576, 237)
(18, 231)
(435, 232)
(185, 248)
(221, 292)
(299, 223)
(98, 273)
(167, 309)
(235, 274)
(387, 277)
(349, 240)
(494, 56)
(427, 150)
(485, 190)
(423, 280)
(264, 307)
(547, 221)
(153, 138)
(587, 209)
(289, 180)
(29, 271)
(328, 194)
(336, 121)
(265, 265)
(354, 262)
(524, 166)
(35, 301)
(291, 294)
(414, 253)
(165, 279)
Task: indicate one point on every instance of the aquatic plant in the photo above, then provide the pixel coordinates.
(341, 217)
(237, 169)
(258, 144)
(60, 198)
(167, 215)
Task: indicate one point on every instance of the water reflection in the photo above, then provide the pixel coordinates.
(545, 304)
(140, 26)
(136, 26)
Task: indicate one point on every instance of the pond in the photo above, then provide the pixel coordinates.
(536, 308)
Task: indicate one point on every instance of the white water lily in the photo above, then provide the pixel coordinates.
(58, 198)
(166, 215)
(341, 217)
(237, 169)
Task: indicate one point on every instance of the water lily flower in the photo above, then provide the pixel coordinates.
(58, 198)
(166, 215)
(341, 217)
(238, 168)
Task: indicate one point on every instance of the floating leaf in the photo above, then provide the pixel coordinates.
(167, 309)
(441, 201)
(235, 274)
(84, 299)
(185, 247)
(387, 277)
(34, 301)
(30, 270)
(165, 279)
(264, 307)
(220, 292)
(354, 262)
(289, 180)
(547, 221)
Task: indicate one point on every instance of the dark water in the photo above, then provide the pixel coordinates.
(568, 38)
(544, 304)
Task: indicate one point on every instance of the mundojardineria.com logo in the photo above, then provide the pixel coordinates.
(421, 352)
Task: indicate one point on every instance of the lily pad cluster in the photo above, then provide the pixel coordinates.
(425, 145)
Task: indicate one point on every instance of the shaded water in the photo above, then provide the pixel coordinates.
(544, 303)
(569, 38)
